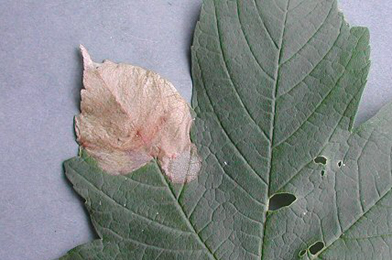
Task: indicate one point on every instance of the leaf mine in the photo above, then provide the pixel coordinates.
(130, 116)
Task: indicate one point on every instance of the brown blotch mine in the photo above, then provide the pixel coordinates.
(130, 116)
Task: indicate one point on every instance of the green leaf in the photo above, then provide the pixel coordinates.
(277, 85)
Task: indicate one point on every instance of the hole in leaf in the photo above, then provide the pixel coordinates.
(315, 248)
(281, 200)
(340, 164)
(321, 160)
(322, 173)
(302, 253)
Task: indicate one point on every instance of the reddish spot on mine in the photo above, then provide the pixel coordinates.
(83, 143)
(142, 137)
(163, 120)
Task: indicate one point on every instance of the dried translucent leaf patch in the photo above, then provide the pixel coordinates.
(130, 116)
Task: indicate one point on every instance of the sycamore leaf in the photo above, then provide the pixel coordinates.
(277, 84)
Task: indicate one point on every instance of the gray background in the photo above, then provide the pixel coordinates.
(41, 217)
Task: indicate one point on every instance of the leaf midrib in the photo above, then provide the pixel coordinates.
(271, 135)
(271, 154)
